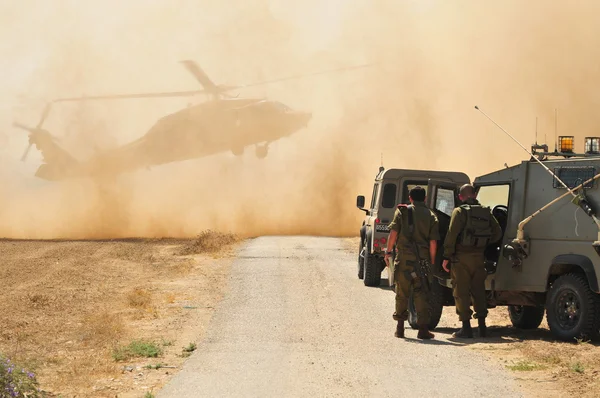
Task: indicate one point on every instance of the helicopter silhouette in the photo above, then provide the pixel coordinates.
(223, 123)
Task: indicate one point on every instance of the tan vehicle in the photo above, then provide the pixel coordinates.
(390, 189)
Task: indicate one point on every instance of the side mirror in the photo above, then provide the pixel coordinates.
(360, 202)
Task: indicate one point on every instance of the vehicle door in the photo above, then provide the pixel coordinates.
(442, 198)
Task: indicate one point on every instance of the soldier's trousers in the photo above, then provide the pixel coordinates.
(404, 284)
(468, 279)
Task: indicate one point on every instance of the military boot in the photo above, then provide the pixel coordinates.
(465, 332)
(482, 327)
(424, 333)
(400, 330)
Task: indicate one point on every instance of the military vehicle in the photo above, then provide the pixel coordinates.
(390, 189)
(547, 261)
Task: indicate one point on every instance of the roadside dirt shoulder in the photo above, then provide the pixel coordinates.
(106, 319)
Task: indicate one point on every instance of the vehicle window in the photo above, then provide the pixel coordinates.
(374, 196)
(493, 195)
(389, 196)
(444, 201)
(408, 185)
(574, 176)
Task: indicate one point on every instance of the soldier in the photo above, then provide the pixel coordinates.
(425, 233)
(472, 229)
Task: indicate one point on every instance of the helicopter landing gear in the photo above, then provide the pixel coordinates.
(262, 151)
(238, 151)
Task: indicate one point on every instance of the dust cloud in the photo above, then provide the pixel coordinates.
(434, 60)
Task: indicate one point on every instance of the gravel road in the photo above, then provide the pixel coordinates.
(296, 321)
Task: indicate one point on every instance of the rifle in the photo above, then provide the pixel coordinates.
(422, 268)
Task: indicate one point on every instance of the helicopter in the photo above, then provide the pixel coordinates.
(223, 123)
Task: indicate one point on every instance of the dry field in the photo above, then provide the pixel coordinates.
(544, 366)
(108, 318)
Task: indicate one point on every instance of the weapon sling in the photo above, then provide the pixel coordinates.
(422, 267)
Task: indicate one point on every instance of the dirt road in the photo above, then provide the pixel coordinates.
(295, 321)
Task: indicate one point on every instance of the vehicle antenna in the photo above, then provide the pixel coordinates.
(555, 131)
(570, 191)
(525, 149)
(536, 130)
(381, 159)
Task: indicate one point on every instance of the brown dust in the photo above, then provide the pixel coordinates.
(435, 60)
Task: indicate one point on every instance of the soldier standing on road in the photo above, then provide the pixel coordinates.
(472, 229)
(425, 233)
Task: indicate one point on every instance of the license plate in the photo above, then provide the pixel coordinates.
(382, 228)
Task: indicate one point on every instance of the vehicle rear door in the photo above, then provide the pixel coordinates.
(442, 198)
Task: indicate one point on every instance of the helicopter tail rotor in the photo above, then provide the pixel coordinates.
(35, 133)
(24, 156)
(44, 115)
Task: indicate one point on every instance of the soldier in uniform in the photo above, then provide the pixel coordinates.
(472, 229)
(425, 233)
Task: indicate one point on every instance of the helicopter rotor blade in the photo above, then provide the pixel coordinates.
(44, 115)
(201, 76)
(166, 94)
(265, 82)
(24, 157)
(23, 127)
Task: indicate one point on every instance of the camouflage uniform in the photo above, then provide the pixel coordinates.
(425, 229)
(468, 268)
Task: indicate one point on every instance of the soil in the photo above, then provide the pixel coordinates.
(67, 306)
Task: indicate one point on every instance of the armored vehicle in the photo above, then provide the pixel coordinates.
(547, 261)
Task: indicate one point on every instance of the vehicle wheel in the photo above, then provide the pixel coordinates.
(361, 266)
(571, 308)
(372, 275)
(596, 330)
(526, 317)
(436, 300)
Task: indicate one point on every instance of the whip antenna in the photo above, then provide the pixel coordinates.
(528, 152)
(555, 131)
(569, 190)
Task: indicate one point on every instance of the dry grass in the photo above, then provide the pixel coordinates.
(66, 306)
(139, 298)
(209, 242)
(566, 368)
(102, 329)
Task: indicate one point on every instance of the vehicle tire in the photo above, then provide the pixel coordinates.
(571, 308)
(526, 317)
(372, 268)
(596, 331)
(361, 265)
(436, 299)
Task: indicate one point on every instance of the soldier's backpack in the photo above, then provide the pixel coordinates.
(478, 230)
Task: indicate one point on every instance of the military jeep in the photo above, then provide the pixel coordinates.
(545, 264)
(390, 189)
